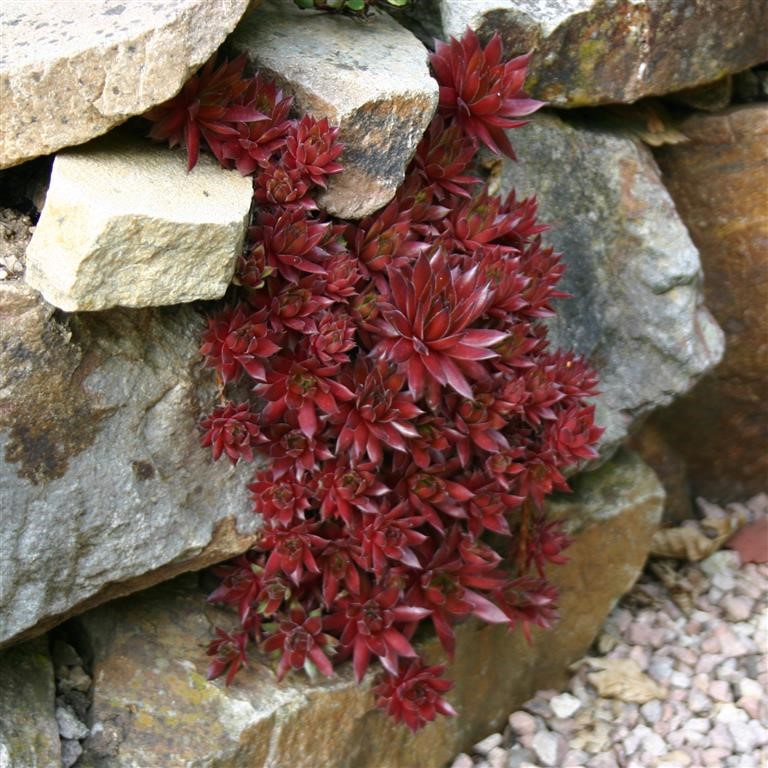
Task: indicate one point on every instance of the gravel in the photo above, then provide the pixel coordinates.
(707, 651)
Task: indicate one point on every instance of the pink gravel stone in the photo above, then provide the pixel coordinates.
(737, 608)
(711, 645)
(720, 737)
(714, 756)
(707, 662)
(685, 655)
(755, 708)
(730, 645)
(640, 655)
(719, 690)
(639, 633)
(522, 723)
(497, 758)
(462, 761)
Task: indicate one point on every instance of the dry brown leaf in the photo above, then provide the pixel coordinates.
(624, 680)
(691, 542)
(682, 590)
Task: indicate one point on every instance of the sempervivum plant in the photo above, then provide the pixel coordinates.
(410, 412)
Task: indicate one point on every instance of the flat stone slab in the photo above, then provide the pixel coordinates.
(153, 707)
(125, 224)
(104, 488)
(601, 51)
(370, 78)
(72, 69)
(637, 310)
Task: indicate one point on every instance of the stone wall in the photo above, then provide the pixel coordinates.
(104, 490)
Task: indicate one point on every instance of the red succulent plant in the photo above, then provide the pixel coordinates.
(207, 107)
(413, 696)
(396, 375)
(427, 326)
(483, 93)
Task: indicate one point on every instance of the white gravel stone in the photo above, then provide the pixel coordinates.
(549, 747)
(699, 702)
(651, 711)
(730, 713)
(679, 680)
(751, 688)
(564, 705)
(633, 741)
(723, 562)
(487, 744)
(744, 740)
(462, 761)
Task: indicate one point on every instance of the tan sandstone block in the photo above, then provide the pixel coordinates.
(72, 69)
(125, 224)
(369, 78)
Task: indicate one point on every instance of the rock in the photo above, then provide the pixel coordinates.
(69, 726)
(717, 181)
(370, 79)
(15, 231)
(72, 70)
(550, 748)
(70, 752)
(600, 51)
(487, 744)
(102, 467)
(522, 723)
(153, 706)
(651, 711)
(159, 236)
(564, 705)
(656, 451)
(29, 735)
(637, 311)
(516, 756)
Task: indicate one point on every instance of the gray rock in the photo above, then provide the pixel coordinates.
(72, 69)
(70, 727)
(29, 735)
(160, 236)
(637, 311)
(369, 78)
(602, 51)
(70, 752)
(103, 484)
(549, 747)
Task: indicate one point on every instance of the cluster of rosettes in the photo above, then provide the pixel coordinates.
(402, 392)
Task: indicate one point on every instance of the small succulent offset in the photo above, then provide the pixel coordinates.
(400, 387)
(352, 7)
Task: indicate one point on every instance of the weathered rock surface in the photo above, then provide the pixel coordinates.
(153, 707)
(602, 51)
(72, 69)
(124, 224)
(29, 735)
(718, 183)
(635, 275)
(104, 488)
(369, 78)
